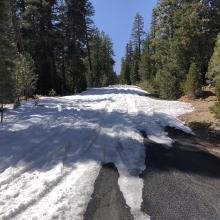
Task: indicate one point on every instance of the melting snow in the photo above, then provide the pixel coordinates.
(51, 154)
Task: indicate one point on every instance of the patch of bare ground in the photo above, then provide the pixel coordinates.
(203, 123)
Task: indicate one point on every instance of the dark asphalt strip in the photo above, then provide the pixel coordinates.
(181, 183)
(107, 201)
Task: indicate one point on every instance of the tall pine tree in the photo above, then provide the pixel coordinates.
(38, 36)
(7, 55)
(135, 70)
(138, 32)
(102, 62)
(25, 76)
(146, 61)
(214, 64)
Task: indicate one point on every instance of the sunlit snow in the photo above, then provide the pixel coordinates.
(51, 153)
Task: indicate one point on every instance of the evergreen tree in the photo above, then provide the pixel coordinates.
(18, 7)
(192, 86)
(94, 73)
(166, 81)
(134, 72)
(214, 75)
(146, 62)
(126, 64)
(25, 76)
(193, 38)
(77, 13)
(216, 108)
(56, 34)
(181, 31)
(102, 62)
(153, 41)
(37, 29)
(214, 64)
(218, 90)
(138, 32)
(89, 32)
(125, 72)
(7, 55)
(214, 18)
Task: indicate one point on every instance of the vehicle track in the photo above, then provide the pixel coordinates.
(42, 197)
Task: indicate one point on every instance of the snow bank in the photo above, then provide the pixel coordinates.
(51, 154)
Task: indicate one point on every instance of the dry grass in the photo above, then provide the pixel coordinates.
(203, 123)
(201, 112)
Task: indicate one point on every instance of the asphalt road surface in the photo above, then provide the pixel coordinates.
(180, 183)
(107, 200)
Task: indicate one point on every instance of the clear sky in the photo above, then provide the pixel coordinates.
(115, 18)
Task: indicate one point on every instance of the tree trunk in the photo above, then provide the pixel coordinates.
(17, 28)
(2, 113)
(26, 94)
(89, 56)
(139, 41)
(63, 74)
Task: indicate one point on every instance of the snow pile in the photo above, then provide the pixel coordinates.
(51, 153)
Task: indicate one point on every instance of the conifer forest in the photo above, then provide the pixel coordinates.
(109, 109)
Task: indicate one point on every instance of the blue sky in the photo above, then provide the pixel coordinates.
(115, 18)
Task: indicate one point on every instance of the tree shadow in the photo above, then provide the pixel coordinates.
(112, 130)
(50, 137)
(180, 179)
(185, 156)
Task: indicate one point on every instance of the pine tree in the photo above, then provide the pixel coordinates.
(214, 64)
(125, 72)
(146, 62)
(138, 32)
(7, 54)
(18, 7)
(38, 33)
(153, 41)
(166, 81)
(126, 64)
(181, 31)
(77, 12)
(25, 76)
(135, 70)
(193, 38)
(89, 32)
(108, 61)
(214, 18)
(218, 90)
(216, 108)
(94, 72)
(102, 62)
(192, 86)
(214, 75)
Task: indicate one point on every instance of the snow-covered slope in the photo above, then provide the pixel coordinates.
(51, 154)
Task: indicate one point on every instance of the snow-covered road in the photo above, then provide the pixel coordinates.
(51, 154)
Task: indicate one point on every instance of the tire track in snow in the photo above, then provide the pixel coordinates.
(25, 205)
(105, 130)
(40, 200)
(26, 156)
(38, 147)
(64, 206)
(21, 144)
